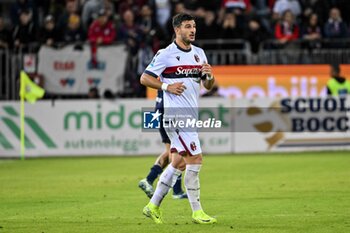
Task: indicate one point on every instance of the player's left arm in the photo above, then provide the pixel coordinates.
(208, 80)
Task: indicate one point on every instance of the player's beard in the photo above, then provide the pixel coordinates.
(186, 39)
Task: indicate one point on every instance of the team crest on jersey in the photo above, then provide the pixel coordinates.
(196, 58)
(193, 146)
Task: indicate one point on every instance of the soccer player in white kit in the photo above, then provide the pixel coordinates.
(181, 67)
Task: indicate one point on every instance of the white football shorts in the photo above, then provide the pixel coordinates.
(184, 142)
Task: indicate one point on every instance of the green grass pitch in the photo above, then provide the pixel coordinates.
(305, 192)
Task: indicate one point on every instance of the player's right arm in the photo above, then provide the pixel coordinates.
(149, 81)
(153, 70)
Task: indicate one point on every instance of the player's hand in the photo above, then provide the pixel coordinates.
(206, 69)
(176, 88)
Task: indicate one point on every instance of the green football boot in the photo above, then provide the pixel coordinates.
(152, 211)
(202, 218)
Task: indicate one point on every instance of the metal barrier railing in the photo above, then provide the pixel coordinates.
(16, 63)
(219, 52)
(324, 43)
(226, 51)
(11, 62)
(4, 74)
(324, 51)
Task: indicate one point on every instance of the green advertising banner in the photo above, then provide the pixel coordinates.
(70, 128)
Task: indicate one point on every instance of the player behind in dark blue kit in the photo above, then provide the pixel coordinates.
(162, 161)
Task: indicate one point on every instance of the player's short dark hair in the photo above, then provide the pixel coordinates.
(179, 18)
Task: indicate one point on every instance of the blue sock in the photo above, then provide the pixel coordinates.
(156, 170)
(177, 187)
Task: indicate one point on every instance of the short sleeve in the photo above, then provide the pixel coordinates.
(157, 65)
(204, 57)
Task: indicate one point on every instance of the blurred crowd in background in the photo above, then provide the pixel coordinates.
(148, 22)
(145, 25)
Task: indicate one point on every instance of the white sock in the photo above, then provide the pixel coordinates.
(166, 181)
(192, 185)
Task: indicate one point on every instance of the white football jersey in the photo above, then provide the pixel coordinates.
(174, 64)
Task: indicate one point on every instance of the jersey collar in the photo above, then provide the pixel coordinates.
(183, 50)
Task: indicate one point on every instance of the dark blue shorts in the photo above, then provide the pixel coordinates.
(163, 134)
